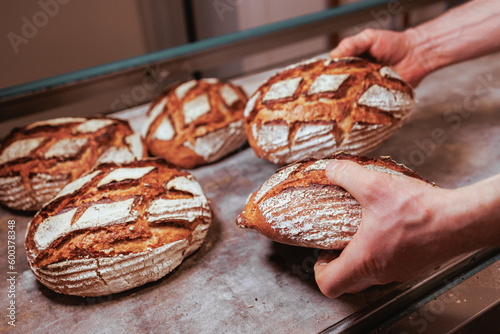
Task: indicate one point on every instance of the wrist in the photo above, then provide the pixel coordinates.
(470, 216)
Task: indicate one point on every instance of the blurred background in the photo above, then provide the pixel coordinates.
(50, 37)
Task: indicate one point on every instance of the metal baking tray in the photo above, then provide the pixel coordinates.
(240, 281)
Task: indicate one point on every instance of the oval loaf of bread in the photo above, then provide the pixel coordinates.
(196, 122)
(321, 106)
(117, 227)
(299, 206)
(37, 161)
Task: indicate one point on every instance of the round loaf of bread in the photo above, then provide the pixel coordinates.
(322, 106)
(299, 206)
(37, 161)
(117, 227)
(196, 122)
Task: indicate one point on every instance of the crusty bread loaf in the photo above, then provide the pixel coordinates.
(319, 107)
(117, 227)
(37, 161)
(299, 206)
(196, 122)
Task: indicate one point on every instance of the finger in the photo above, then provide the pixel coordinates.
(343, 274)
(354, 45)
(355, 179)
(325, 257)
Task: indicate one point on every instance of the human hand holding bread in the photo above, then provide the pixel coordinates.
(398, 226)
(407, 226)
(387, 47)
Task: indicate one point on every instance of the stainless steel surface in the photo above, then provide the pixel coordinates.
(469, 302)
(410, 294)
(241, 282)
(101, 93)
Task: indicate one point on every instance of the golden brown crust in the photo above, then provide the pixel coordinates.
(59, 154)
(141, 233)
(341, 109)
(180, 141)
(299, 206)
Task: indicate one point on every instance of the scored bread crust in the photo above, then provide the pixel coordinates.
(322, 106)
(37, 161)
(196, 122)
(299, 206)
(117, 227)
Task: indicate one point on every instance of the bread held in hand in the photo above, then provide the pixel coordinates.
(322, 106)
(299, 206)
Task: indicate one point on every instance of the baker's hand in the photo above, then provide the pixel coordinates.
(396, 49)
(399, 237)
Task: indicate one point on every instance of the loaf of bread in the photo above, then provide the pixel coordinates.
(37, 161)
(117, 227)
(319, 107)
(196, 122)
(299, 206)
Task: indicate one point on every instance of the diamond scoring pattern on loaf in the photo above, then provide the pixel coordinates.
(353, 105)
(124, 220)
(196, 122)
(45, 156)
(299, 206)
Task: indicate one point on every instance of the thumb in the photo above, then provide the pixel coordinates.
(354, 45)
(355, 179)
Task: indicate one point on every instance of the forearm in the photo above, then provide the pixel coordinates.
(466, 32)
(473, 215)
